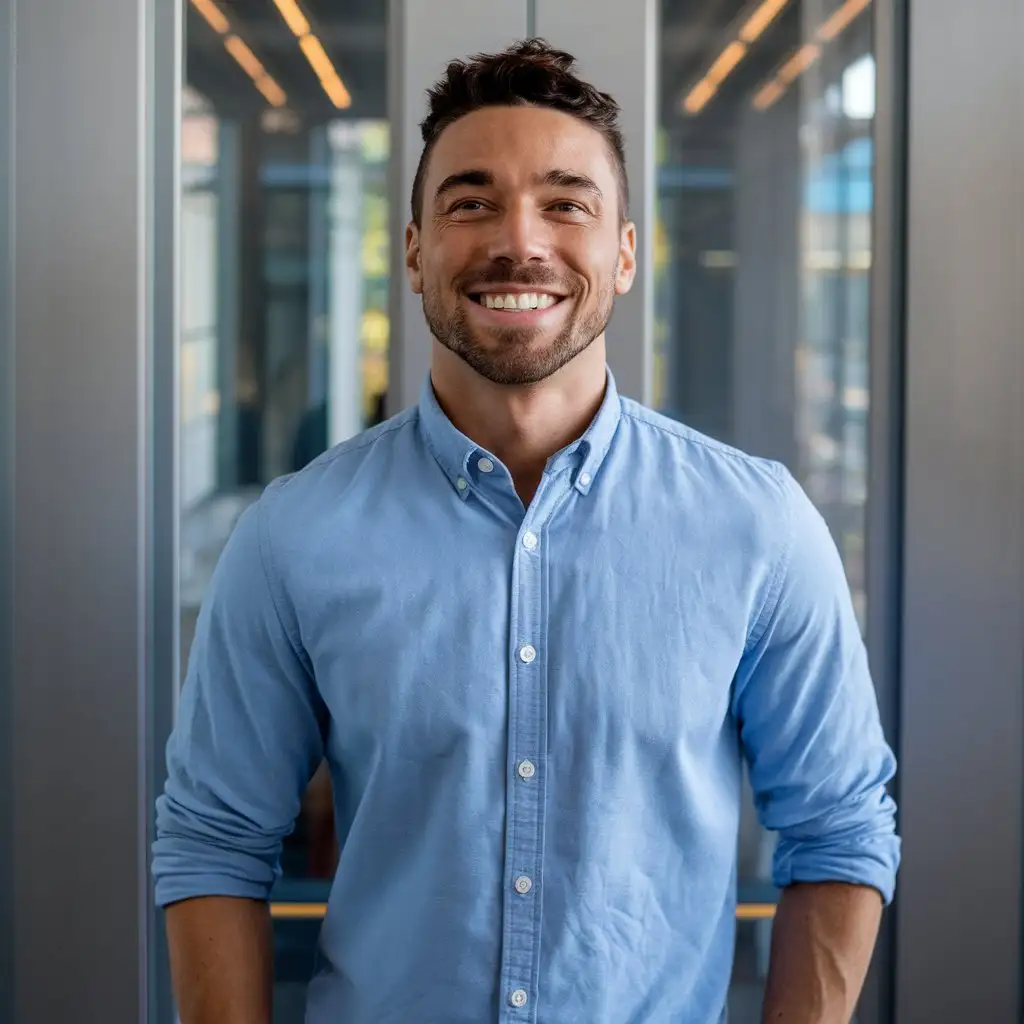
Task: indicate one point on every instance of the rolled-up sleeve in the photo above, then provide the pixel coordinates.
(808, 716)
(247, 738)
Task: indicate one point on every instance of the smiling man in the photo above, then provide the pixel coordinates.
(536, 630)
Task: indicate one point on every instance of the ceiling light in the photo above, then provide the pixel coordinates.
(799, 63)
(727, 61)
(837, 23)
(699, 96)
(768, 95)
(293, 17)
(250, 64)
(761, 19)
(321, 64)
(213, 15)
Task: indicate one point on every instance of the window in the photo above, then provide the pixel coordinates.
(284, 316)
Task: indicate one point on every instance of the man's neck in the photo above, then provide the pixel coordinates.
(522, 426)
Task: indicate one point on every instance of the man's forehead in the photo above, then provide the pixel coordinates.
(519, 140)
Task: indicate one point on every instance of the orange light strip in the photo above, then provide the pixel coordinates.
(330, 80)
(249, 62)
(761, 19)
(827, 32)
(213, 14)
(836, 24)
(704, 91)
(315, 911)
(798, 63)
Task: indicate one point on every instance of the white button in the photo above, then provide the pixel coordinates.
(527, 769)
(530, 541)
(518, 997)
(485, 466)
(527, 653)
(461, 484)
(523, 885)
(584, 479)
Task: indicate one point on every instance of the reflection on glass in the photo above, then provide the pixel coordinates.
(284, 285)
(762, 262)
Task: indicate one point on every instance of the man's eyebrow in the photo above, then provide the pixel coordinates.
(559, 178)
(473, 177)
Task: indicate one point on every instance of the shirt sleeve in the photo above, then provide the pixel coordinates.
(808, 719)
(247, 739)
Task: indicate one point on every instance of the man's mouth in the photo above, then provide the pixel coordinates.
(516, 301)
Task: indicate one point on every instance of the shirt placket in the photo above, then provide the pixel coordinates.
(527, 736)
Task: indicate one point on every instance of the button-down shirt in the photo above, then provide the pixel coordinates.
(536, 719)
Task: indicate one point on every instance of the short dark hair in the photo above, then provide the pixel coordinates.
(531, 73)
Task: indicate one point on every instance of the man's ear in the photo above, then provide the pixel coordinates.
(412, 258)
(626, 272)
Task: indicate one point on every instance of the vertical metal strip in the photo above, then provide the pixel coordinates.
(159, 599)
(885, 426)
(80, 273)
(958, 928)
(7, 426)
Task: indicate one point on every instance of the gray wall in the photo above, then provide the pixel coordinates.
(962, 777)
(80, 282)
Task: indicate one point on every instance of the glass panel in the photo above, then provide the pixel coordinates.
(284, 292)
(762, 261)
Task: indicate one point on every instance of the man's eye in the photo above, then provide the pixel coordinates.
(567, 206)
(468, 206)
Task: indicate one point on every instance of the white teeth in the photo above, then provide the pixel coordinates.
(526, 300)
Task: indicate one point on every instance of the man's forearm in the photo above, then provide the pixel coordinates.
(822, 940)
(221, 960)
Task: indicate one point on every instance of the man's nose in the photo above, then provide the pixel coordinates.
(521, 235)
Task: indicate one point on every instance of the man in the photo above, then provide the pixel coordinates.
(535, 629)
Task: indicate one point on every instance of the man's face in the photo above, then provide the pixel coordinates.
(521, 247)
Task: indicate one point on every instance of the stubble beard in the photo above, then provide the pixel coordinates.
(508, 357)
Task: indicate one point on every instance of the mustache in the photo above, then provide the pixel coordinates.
(524, 274)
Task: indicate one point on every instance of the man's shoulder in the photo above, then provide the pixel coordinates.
(324, 481)
(712, 460)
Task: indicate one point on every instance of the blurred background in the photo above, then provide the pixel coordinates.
(204, 213)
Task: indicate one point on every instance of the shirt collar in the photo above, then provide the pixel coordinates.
(455, 452)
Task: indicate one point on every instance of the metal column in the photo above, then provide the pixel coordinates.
(85, 134)
(958, 930)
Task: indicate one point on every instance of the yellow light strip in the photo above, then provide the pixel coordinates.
(838, 22)
(703, 92)
(761, 19)
(330, 80)
(798, 63)
(726, 63)
(828, 32)
(250, 64)
(769, 94)
(272, 92)
(213, 14)
(315, 911)
(699, 96)
(293, 17)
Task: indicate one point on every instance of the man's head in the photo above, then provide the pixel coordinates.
(520, 200)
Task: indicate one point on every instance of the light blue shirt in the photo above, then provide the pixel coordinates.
(536, 719)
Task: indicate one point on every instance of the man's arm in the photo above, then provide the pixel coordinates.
(819, 766)
(221, 960)
(247, 739)
(822, 940)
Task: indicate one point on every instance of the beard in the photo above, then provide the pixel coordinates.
(509, 356)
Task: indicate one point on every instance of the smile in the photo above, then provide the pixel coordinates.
(516, 301)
